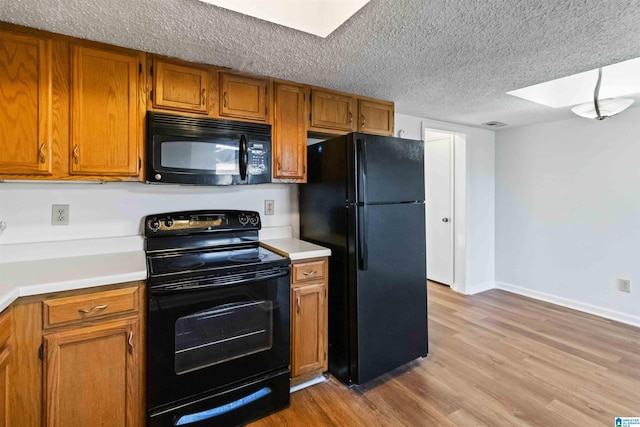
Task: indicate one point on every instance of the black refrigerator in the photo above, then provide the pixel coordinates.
(364, 199)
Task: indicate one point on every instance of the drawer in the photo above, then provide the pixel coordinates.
(5, 327)
(308, 270)
(77, 308)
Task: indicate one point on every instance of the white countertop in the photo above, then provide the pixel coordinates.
(42, 276)
(295, 248)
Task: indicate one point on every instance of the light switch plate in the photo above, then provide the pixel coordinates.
(269, 207)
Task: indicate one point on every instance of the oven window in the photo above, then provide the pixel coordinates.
(188, 155)
(222, 333)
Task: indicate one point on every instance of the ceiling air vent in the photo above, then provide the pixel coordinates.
(494, 124)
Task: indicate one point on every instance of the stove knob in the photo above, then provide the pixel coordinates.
(168, 222)
(254, 219)
(158, 177)
(243, 219)
(154, 225)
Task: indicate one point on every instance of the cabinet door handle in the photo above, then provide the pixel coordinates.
(203, 96)
(76, 156)
(362, 119)
(226, 100)
(130, 341)
(278, 164)
(43, 157)
(298, 305)
(96, 307)
(350, 117)
(309, 273)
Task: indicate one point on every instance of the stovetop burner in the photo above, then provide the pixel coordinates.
(185, 245)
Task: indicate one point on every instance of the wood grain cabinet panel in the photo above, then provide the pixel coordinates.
(376, 117)
(92, 375)
(96, 305)
(289, 132)
(5, 365)
(308, 333)
(243, 97)
(105, 113)
(309, 317)
(25, 104)
(179, 87)
(332, 111)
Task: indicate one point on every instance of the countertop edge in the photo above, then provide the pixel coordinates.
(295, 249)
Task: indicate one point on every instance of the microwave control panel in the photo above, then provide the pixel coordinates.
(258, 159)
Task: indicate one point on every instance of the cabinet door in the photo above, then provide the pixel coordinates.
(243, 97)
(92, 375)
(289, 132)
(332, 110)
(376, 117)
(5, 357)
(177, 87)
(105, 119)
(308, 352)
(25, 104)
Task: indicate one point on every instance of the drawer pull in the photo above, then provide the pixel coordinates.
(97, 307)
(309, 273)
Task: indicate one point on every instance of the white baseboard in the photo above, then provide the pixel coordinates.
(569, 303)
(479, 287)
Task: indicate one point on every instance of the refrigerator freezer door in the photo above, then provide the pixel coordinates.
(388, 170)
(391, 292)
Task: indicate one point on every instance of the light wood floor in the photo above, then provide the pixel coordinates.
(495, 359)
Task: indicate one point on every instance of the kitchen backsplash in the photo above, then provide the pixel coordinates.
(114, 209)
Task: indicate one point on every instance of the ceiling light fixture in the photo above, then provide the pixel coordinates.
(600, 110)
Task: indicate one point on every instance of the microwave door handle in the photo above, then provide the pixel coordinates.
(244, 157)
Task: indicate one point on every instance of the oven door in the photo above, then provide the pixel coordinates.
(207, 334)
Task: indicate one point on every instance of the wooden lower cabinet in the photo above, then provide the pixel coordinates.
(92, 375)
(309, 339)
(79, 370)
(5, 366)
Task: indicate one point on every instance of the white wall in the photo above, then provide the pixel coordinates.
(568, 213)
(117, 209)
(475, 212)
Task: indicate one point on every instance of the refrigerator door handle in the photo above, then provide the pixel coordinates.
(363, 251)
(362, 174)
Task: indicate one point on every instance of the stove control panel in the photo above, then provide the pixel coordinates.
(181, 223)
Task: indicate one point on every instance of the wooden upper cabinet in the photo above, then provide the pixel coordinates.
(25, 104)
(289, 132)
(332, 110)
(105, 111)
(179, 87)
(376, 117)
(243, 97)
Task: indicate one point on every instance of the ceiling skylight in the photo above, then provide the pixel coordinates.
(317, 17)
(618, 79)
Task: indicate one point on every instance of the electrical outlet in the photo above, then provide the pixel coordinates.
(624, 285)
(59, 214)
(269, 207)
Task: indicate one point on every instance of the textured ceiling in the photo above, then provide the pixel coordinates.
(441, 59)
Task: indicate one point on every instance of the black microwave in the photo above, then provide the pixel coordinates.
(204, 151)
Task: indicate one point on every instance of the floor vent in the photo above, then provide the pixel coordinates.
(494, 124)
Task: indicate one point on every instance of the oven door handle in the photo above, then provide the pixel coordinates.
(202, 285)
(244, 157)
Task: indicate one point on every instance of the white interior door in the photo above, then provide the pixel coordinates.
(439, 206)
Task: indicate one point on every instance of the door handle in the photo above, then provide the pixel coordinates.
(244, 157)
(43, 157)
(445, 219)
